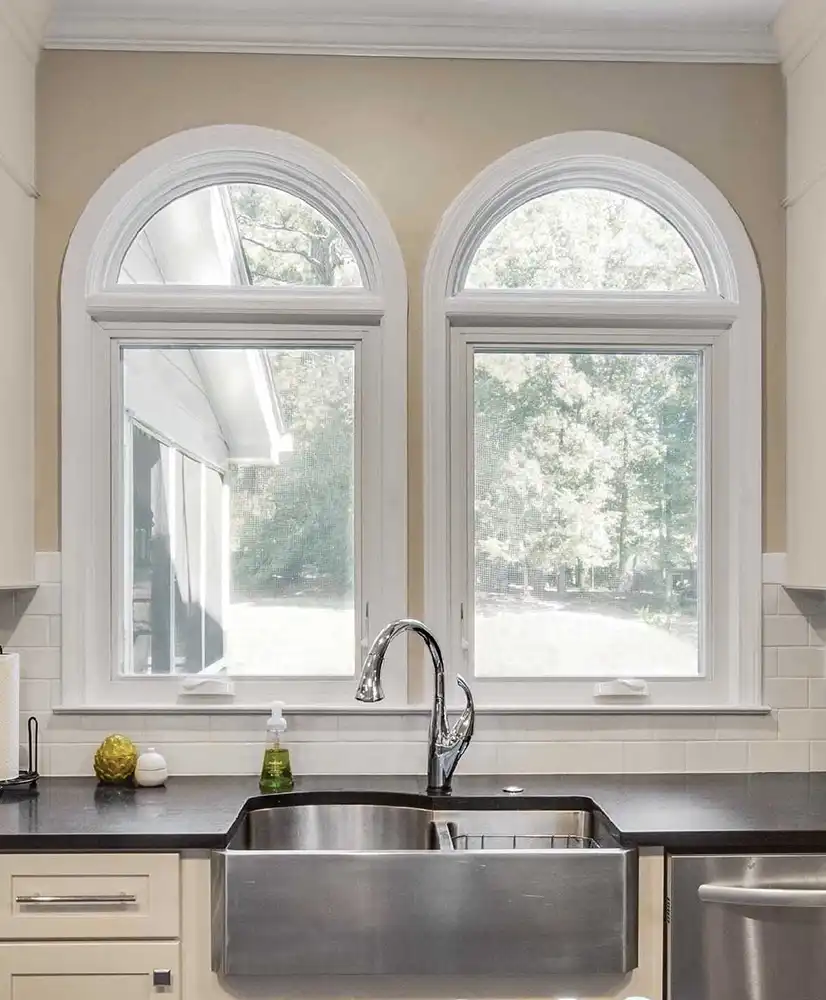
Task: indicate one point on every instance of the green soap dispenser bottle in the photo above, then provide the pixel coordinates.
(276, 773)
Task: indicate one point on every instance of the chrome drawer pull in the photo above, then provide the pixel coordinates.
(116, 898)
(736, 895)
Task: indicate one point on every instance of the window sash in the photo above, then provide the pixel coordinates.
(715, 684)
(377, 589)
(207, 514)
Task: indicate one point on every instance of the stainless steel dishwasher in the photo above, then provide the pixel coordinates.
(746, 927)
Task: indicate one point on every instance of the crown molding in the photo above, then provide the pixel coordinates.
(25, 21)
(797, 29)
(207, 26)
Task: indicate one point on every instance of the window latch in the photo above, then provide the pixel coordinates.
(210, 682)
(622, 687)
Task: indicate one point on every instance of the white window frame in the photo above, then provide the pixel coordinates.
(99, 316)
(724, 321)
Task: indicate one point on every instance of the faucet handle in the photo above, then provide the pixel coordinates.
(460, 734)
(468, 716)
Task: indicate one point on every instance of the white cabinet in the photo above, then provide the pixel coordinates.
(18, 41)
(801, 32)
(64, 918)
(90, 971)
(60, 896)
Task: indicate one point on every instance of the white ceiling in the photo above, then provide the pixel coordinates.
(697, 30)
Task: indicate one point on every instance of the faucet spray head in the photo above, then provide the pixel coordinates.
(370, 688)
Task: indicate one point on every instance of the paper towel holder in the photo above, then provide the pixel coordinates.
(26, 780)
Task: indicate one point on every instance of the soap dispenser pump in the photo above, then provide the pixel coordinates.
(276, 773)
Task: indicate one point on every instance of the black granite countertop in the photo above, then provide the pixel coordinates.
(677, 812)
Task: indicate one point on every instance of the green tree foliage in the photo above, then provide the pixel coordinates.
(585, 238)
(292, 524)
(586, 462)
(288, 242)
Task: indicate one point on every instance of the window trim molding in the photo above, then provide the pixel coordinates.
(716, 235)
(93, 307)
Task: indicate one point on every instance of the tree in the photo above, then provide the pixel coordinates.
(585, 238)
(587, 460)
(292, 524)
(288, 242)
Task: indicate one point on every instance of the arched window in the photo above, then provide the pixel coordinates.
(593, 374)
(240, 234)
(585, 239)
(234, 414)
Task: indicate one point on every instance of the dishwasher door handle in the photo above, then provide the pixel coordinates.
(736, 895)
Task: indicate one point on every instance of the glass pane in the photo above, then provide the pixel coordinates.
(241, 480)
(585, 239)
(240, 234)
(151, 607)
(586, 557)
(292, 605)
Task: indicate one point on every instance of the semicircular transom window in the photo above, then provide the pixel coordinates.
(240, 235)
(585, 239)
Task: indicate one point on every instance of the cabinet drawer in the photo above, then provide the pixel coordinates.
(120, 970)
(89, 896)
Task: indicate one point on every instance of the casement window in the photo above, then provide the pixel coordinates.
(234, 417)
(593, 376)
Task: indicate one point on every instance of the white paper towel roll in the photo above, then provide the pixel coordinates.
(9, 716)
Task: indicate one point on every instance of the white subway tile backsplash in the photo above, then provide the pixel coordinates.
(560, 758)
(785, 630)
(748, 728)
(779, 756)
(792, 738)
(45, 600)
(41, 662)
(382, 728)
(800, 661)
(31, 630)
(35, 695)
(801, 724)
(55, 630)
(47, 567)
(817, 755)
(817, 630)
(72, 759)
(7, 615)
(359, 758)
(479, 758)
(800, 602)
(786, 692)
(817, 692)
(212, 758)
(650, 758)
(716, 756)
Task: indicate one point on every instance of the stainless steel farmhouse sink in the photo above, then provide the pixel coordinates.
(315, 888)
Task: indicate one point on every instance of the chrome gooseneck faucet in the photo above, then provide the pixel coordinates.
(447, 743)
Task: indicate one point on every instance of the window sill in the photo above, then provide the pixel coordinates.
(347, 709)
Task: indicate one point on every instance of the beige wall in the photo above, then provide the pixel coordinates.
(416, 132)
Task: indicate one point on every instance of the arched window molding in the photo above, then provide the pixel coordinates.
(725, 320)
(97, 313)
